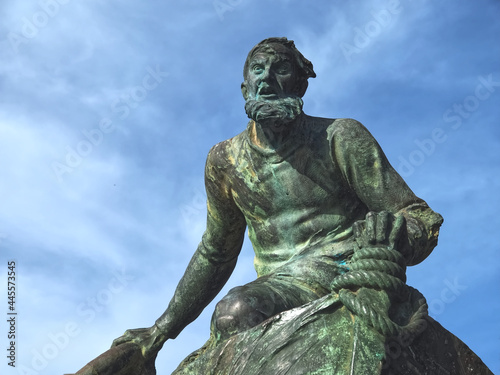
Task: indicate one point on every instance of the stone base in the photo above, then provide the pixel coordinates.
(325, 338)
(322, 337)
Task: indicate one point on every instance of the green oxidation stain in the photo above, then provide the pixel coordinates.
(342, 262)
(379, 356)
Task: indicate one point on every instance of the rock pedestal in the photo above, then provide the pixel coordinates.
(124, 359)
(325, 338)
(322, 337)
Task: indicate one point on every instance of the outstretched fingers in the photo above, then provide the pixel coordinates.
(130, 335)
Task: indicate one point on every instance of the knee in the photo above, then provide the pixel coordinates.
(238, 312)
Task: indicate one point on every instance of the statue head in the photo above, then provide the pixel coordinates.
(287, 58)
(275, 79)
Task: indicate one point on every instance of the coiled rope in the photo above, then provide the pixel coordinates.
(383, 269)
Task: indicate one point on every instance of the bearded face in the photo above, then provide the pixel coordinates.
(276, 112)
(270, 89)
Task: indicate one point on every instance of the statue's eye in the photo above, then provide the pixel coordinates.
(257, 68)
(284, 68)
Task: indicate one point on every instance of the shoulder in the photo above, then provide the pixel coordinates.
(222, 155)
(338, 128)
(349, 135)
(348, 128)
(218, 153)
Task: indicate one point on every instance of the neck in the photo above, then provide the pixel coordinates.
(271, 134)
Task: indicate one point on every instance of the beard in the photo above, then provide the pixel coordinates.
(274, 113)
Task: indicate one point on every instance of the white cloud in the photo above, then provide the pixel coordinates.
(122, 205)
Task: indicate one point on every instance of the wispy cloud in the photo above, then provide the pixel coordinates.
(133, 199)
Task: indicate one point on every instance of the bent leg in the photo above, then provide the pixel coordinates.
(246, 306)
(294, 284)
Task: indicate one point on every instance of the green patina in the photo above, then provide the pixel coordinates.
(333, 227)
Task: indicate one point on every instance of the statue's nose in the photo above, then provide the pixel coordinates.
(265, 89)
(266, 76)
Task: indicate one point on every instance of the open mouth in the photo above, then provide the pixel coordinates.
(268, 96)
(266, 92)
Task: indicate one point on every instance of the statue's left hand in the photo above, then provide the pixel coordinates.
(150, 340)
(382, 228)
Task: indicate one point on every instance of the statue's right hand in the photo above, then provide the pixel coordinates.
(150, 340)
(130, 335)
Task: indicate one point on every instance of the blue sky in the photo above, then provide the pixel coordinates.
(108, 110)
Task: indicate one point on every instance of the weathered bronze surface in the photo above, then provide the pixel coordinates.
(125, 359)
(333, 227)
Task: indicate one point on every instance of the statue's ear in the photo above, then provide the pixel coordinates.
(244, 91)
(301, 87)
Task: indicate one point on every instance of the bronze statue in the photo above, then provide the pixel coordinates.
(313, 192)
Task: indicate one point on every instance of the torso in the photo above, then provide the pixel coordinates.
(293, 199)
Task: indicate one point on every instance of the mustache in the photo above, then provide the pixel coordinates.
(281, 109)
(265, 89)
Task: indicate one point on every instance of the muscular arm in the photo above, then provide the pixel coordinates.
(215, 258)
(367, 170)
(210, 267)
